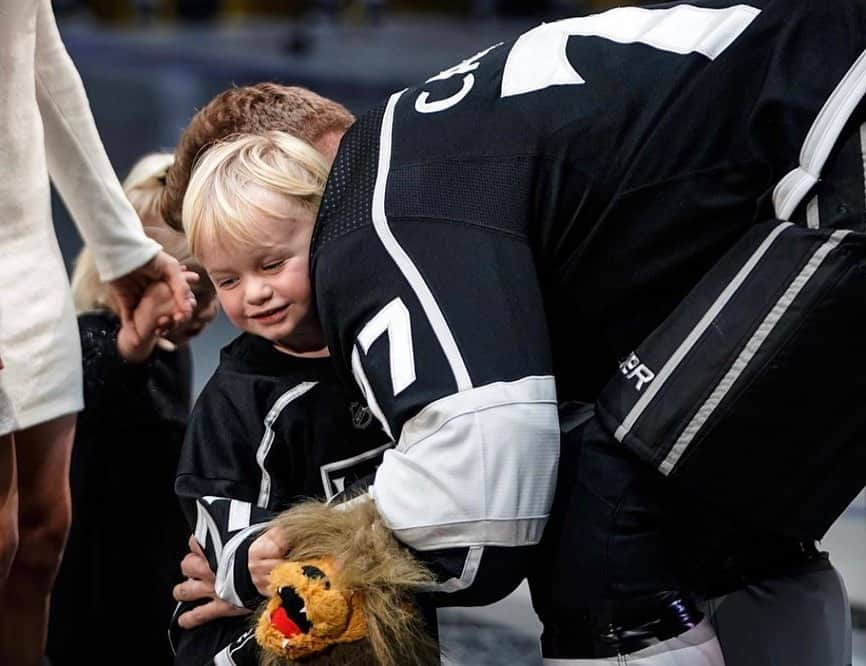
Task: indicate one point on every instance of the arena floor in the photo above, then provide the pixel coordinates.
(506, 633)
(509, 629)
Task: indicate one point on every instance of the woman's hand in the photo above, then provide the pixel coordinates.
(129, 289)
(154, 316)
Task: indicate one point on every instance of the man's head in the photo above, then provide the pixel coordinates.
(256, 109)
(248, 214)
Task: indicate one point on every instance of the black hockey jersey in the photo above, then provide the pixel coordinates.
(267, 430)
(507, 232)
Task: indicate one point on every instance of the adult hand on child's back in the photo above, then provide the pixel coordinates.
(200, 585)
(264, 554)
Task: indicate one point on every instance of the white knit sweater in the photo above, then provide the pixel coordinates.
(46, 127)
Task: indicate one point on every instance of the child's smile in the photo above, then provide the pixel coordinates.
(262, 281)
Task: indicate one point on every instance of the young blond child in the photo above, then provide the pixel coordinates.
(273, 424)
(127, 529)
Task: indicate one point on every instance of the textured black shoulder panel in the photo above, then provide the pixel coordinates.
(348, 197)
(491, 192)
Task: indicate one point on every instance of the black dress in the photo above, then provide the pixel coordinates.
(112, 600)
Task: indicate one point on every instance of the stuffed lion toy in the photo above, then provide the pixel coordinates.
(344, 595)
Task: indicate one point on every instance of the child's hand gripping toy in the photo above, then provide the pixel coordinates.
(345, 595)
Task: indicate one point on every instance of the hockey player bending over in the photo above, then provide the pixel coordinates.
(648, 211)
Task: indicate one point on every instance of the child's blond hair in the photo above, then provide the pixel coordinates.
(254, 109)
(217, 206)
(143, 187)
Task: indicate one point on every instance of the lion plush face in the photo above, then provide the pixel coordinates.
(309, 611)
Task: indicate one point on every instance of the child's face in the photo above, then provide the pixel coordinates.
(265, 289)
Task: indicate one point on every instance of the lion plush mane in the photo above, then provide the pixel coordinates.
(378, 575)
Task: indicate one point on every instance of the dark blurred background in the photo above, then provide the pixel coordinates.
(149, 64)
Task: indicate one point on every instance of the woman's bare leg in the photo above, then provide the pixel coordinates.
(44, 511)
(8, 507)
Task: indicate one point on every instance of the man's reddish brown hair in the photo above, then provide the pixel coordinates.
(248, 110)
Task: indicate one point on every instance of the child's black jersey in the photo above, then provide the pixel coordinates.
(267, 430)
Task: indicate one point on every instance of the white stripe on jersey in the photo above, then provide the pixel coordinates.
(820, 140)
(863, 155)
(343, 464)
(367, 390)
(749, 350)
(268, 437)
(206, 526)
(538, 58)
(404, 262)
(467, 576)
(224, 658)
(224, 585)
(239, 515)
(813, 213)
(691, 339)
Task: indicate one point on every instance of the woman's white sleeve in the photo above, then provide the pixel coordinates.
(77, 162)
